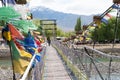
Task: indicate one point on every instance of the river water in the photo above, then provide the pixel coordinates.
(5, 62)
(113, 77)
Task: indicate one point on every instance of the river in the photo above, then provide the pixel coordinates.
(113, 77)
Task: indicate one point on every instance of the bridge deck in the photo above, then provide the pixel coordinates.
(54, 68)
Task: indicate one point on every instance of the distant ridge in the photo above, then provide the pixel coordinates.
(65, 21)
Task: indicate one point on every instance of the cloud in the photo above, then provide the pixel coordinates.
(75, 6)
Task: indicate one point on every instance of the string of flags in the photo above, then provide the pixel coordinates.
(22, 47)
(103, 18)
(109, 15)
(106, 18)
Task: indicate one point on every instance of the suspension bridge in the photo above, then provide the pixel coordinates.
(64, 60)
(60, 62)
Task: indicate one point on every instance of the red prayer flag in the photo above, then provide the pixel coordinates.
(14, 32)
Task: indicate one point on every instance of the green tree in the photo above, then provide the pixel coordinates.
(118, 30)
(36, 22)
(107, 31)
(49, 33)
(60, 32)
(78, 25)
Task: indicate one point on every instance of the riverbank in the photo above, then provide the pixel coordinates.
(106, 48)
(6, 73)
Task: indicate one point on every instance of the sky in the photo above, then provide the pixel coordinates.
(82, 7)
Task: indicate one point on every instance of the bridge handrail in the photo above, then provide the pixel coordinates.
(102, 53)
(28, 73)
(28, 68)
(90, 61)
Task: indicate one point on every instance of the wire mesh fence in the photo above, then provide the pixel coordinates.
(95, 64)
(37, 71)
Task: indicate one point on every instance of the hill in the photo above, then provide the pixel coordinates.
(65, 21)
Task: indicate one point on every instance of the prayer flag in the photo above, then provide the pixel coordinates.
(106, 18)
(115, 6)
(6, 34)
(20, 58)
(14, 32)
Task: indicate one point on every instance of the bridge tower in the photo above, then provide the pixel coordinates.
(49, 24)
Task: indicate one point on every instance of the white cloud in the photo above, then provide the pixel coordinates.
(85, 7)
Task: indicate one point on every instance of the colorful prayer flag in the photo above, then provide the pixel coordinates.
(11, 2)
(20, 58)
(14, 32)
(115, 6)
(106, 18)
(29, 41)
(6, 34)
(31, 46)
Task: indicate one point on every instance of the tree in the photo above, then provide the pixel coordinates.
(60, 32)
(107, 32)
(36, 22)
(78, 25)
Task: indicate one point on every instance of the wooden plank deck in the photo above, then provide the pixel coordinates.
(54, 68)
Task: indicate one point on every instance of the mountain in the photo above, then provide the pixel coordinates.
(65, 21)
